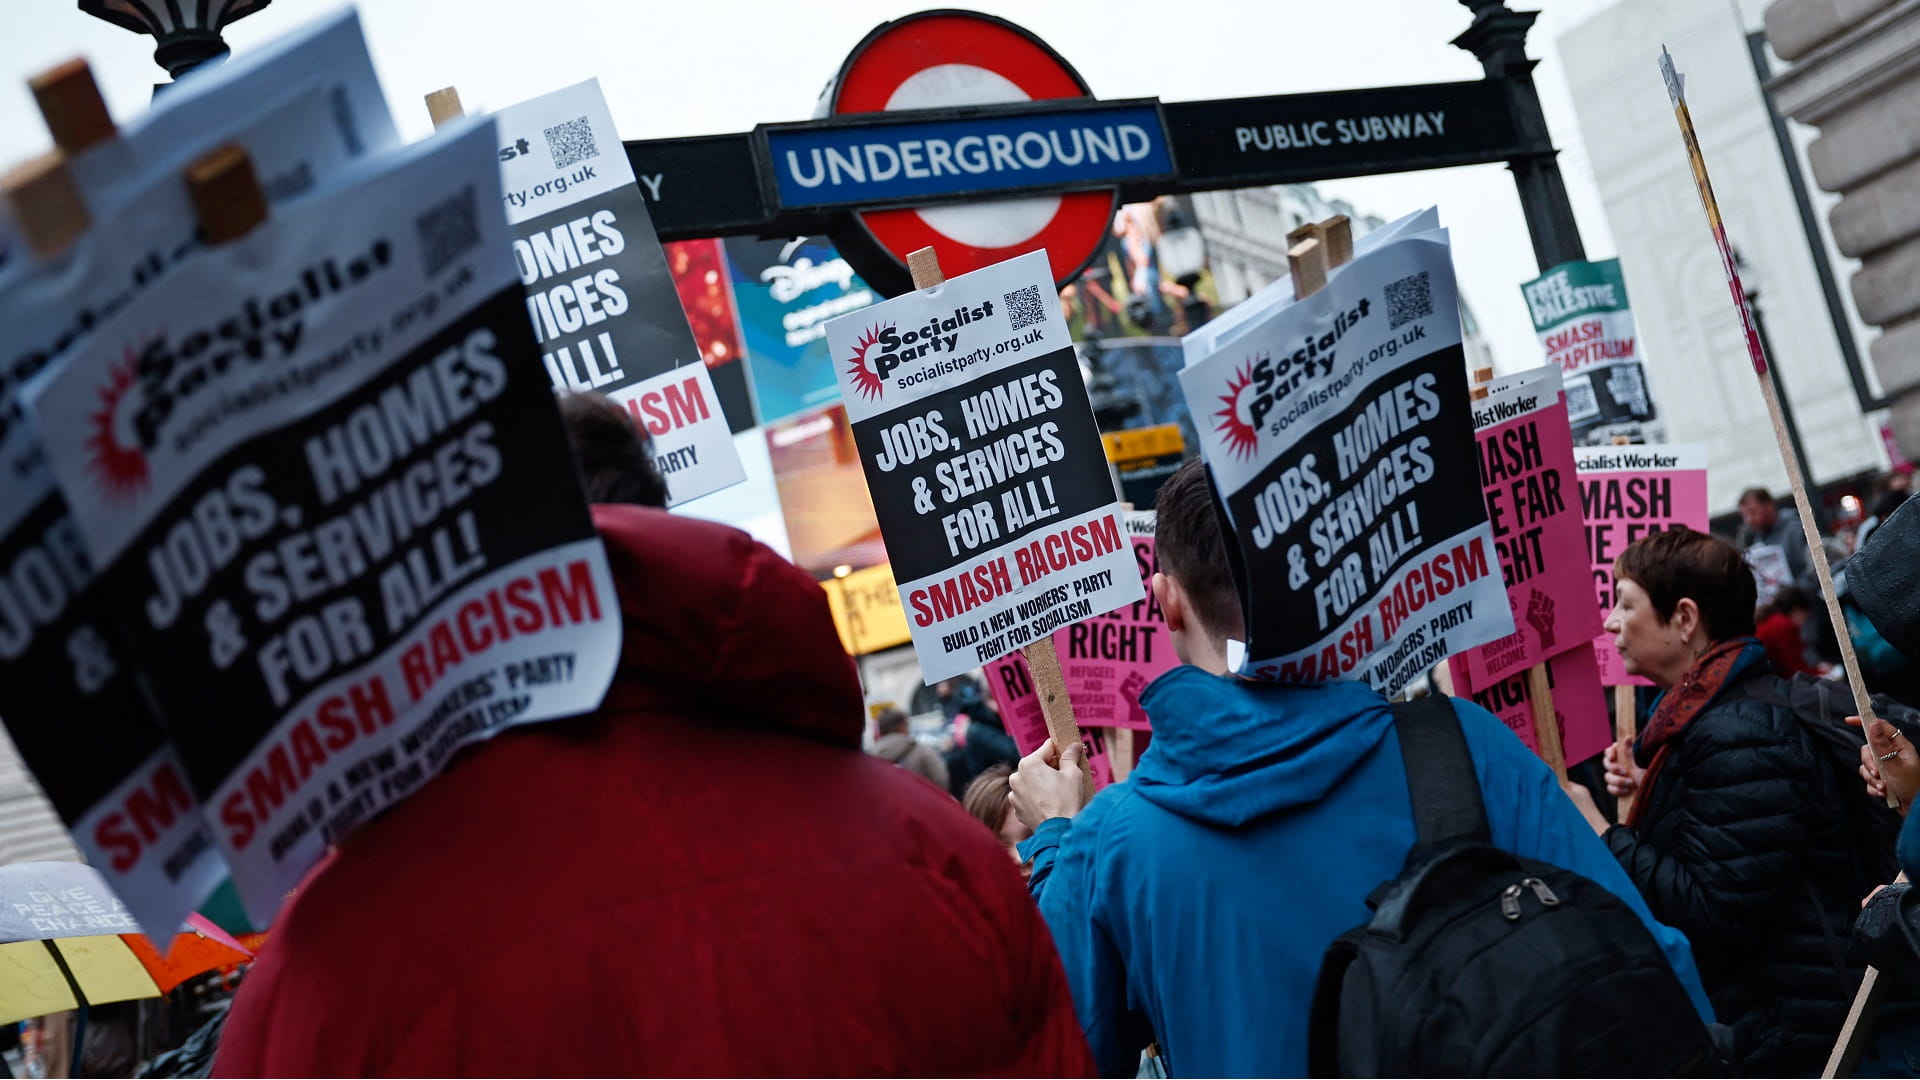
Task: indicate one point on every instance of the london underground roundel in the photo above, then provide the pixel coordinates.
(944, 59)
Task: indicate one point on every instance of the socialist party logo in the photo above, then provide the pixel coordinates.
(1262, 383)
(115, 455)
(884, 349)
(1237, 425)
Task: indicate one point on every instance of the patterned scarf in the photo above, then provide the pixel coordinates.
(1676, 708)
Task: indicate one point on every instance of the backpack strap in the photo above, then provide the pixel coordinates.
(1440, 776)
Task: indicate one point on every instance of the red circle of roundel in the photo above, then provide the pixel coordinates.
(904, 47)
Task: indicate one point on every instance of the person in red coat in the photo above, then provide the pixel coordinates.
(705, 877)
(1779, 626)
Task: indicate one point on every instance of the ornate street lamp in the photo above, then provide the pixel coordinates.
(186, 33)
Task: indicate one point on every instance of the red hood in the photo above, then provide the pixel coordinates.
(717, 622)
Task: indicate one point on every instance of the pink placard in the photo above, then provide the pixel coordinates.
(1627, 492)
(1106, 661)
(1019, 706)
(1528, 479)
(1579, 701)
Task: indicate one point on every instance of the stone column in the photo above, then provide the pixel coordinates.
(1856, 77)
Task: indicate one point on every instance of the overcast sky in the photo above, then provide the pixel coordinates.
(724, 65)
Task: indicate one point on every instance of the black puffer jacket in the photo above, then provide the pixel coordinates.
(1742, 848)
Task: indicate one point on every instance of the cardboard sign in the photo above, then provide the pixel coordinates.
(1340, 439)
(1106, 661)
(68, 694)
(602, 302)
(1627, 492)
(1579, 702)
(1533, 503)
(325, 482)
(1019, 707)
(1580, 311)
(986, 468)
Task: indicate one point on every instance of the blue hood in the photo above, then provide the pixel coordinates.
(1226, 751)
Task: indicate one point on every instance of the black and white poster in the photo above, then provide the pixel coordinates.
(599, 294)
(68, 695)
(986, 469)
(1340, 438)
(324, 480)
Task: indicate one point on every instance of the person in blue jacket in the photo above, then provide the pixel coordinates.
(1193, 903)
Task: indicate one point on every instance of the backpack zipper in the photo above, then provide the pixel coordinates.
(1540, 891)
(1510, 897)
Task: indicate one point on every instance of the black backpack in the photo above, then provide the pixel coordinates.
(1481, 963)
(1822, 707)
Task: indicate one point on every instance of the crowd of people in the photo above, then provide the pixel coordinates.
(721, 872)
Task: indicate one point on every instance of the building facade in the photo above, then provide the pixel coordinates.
(1695, 354)
(1855, 76)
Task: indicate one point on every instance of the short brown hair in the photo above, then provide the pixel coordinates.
(1682, 564)
(615, 454)
(988, 797)
(890, 720)
(1192, 549)
(1755, 494)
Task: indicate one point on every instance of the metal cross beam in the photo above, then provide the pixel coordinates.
(745, 184)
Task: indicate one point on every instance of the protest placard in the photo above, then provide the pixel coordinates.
(602, 301)
(1579, 701)
(1338, 434)
(1627, 492)
(68, 695)
(325, 484)
(1020, 709)
(1107, 660)
(1111, 751)
(1585, 326)
(986, 468)
(1531, 488)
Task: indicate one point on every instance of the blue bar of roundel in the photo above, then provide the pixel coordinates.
(971, 156)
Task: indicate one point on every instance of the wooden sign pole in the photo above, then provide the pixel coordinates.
(1120, 752)
(1626, 728)
(45, 201)
(46, 205)
(1043, 662)
(70, 103)
(1626, 713)
(443, 105)
(1546, 722)
(226, 194)
(1848, 1048)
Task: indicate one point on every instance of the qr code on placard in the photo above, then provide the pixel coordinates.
(448, 230)
(1408, 299)
(1024, 307)
(571, 142)
(1580, 400)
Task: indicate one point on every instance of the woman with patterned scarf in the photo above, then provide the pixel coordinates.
(1736, 837)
